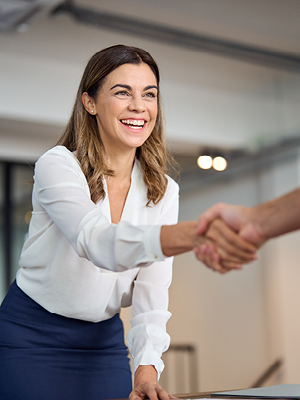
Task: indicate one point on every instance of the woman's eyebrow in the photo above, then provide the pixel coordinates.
(130, 88)
(151, 87)
(123, 86)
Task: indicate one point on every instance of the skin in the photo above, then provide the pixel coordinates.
(129, 94)
(256, 224)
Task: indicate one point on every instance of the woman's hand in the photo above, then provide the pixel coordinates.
(225, 249)
(218, 246)
(146, 386)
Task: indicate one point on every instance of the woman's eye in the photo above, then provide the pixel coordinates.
(151, 95)
(122, 93)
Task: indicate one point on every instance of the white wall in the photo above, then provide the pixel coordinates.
(243, 321)
(223, 316)
(208, 99)
(282, 293)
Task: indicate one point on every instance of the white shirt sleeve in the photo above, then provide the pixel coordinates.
(61, 199)
(147, 339)
(61, 190)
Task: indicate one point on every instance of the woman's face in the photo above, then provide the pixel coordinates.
(126, 107)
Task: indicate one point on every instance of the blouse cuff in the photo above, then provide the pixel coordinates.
(152, 242)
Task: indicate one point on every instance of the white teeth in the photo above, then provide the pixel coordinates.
(133, 122)
(135, 127)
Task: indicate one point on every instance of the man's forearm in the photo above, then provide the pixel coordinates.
(278, 216)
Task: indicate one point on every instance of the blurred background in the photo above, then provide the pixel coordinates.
(231, 88)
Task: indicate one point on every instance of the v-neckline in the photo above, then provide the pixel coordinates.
(126, 207)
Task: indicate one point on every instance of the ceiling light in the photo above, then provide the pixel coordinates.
(204, 162)
(219, 163)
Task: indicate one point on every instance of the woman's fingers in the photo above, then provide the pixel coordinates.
(233, 258)
(236, 248)
(162, 393)
(224, 249)
(208, 254)
(149, 391)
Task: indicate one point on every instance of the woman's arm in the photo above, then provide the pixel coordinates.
(225, 248)
(61, 193)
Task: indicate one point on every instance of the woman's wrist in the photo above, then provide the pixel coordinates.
(179, 238)
(145, 373)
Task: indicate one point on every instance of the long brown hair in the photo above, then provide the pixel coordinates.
(82, 135)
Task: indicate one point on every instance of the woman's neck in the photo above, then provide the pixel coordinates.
(121, 164)
(119, 184)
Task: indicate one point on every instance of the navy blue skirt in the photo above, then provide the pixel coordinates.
(45, 356)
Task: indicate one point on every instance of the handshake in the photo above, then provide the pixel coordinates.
(229, 236)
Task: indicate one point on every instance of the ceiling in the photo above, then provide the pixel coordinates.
(273, 24)
(270, 26)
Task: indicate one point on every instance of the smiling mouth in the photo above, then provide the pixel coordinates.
(134, 123)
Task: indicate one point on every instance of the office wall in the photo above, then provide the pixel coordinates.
(222, 315)
(208, 99)
(241, 322)
(282, 295)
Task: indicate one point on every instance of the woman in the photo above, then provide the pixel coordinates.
(103, 229)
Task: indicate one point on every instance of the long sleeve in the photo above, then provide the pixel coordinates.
(147, 339)
(61, 191)
(75, 262)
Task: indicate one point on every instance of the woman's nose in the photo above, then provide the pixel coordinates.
(136, 104)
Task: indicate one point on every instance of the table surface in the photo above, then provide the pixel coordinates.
(202, 395)
(199, 395)
(208, 395)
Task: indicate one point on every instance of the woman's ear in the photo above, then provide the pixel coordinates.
(88, 103)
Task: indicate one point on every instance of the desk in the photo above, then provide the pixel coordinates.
(208, 395)
(199, 395)
(202, 395)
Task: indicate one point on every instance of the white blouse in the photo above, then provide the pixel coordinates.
(78, 264)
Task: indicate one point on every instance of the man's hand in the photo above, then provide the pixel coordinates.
(239, 218)
(226, 249)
